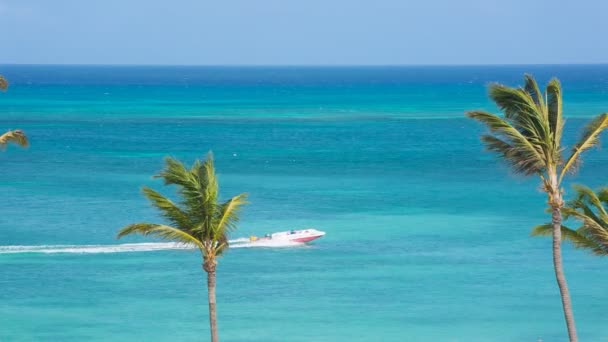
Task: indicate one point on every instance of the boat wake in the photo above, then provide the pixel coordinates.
(133, 247)
(93, 249)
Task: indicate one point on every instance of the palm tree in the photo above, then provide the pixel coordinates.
(198, 219)
(590, 209)
(528, 138)
(16, 136)
(3, 83)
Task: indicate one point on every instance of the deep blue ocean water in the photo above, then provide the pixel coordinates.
(427, 235)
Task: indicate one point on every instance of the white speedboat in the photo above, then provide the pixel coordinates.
(301, 236)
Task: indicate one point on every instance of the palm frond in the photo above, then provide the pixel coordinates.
(531, 87)
(586, 195)
(228, 214)
(208, 175)
(516, 157)
(17, 136)
(554, 109)
(592, 227)
(587, 141)
(547, 230)
(175, 173)
(602, 194)
(543, 230)
(594, 232)
(3, 83)
(589, 210)
(574, 206)
(510, 143)
(161, 231)
(168, 209)
(209, 181)
(189, 187)
(205, 210)
(578, 239)
(521, 111)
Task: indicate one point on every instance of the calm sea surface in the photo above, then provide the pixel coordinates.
(427, 236)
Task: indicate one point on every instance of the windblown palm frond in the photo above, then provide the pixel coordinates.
(189, 188)
(586, 199)
(589, 139)
(589, 210)
(524, 112)
(168, 209)
(578, 239)
(17, 136)
(205, 173)
(161, 231)
(3, 83)
(531, 88)
(602, 194)
(517, 149)
(228, 214)
(554, 110)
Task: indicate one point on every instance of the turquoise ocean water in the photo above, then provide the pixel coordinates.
(427, 236)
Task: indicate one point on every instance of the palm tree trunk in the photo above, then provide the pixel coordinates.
(212, 312)
(556, 219)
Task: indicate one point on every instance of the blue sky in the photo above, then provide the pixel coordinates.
(311, 32)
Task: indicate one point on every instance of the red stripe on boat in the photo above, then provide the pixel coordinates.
(306, 239)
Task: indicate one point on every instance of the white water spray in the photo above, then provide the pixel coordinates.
(135, 247)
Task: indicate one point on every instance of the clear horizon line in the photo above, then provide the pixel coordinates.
(306, 65)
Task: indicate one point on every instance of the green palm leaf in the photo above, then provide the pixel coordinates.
(587, 196)
(588, 209)
(594, 229)
(578, 205)
(161, 231)
(189, 187)
(205, 173)
(554, 109)
(168, 209)
(602, 194)
(521, 110)
(228, 214)
(578, 239)
(517, 158)
(532, 89)
(589, 139)
(512, 144)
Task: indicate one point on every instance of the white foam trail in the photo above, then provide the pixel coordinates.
(239, 240)
(93, 249)
(134, 247)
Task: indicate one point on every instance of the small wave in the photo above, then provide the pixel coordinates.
(134, 247)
